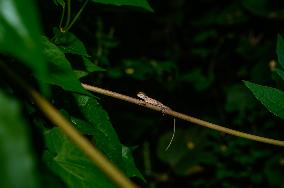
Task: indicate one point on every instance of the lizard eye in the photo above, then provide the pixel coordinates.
(141, 95)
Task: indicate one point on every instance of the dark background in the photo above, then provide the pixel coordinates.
(192, 56)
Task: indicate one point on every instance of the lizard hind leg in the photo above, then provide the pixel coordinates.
(173, 136)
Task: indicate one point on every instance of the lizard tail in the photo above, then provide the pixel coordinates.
(173, 135)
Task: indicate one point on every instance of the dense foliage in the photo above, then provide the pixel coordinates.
(192, 55)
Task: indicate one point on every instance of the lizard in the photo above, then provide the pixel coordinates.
(163, 107)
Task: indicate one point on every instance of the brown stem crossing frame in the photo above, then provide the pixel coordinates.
(95, 155)
(184, 116)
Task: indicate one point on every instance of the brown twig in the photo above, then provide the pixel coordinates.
(184, 116)
(75, 136)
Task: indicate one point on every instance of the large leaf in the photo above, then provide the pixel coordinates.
(69, 43)
(271, 98)
(16, 160)
(67, 161)
(20, 34)
(61, 72)
(136, 3)
(280, 50)
(105, 136)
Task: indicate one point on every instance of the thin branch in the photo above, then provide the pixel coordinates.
(68, 26)
(58, 119)
(62, 16)
(68, 13)
(184, 116)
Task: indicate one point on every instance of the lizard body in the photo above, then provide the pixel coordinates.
(163, 108)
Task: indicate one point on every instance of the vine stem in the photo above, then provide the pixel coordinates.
(75, 136)
(184, 116)
(68, 25)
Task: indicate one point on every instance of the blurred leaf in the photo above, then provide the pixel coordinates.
(202, 52)
(105, 136)
(204, 36)
(20, 34)
(136, 3)
(188, 151)
(61, 72)
(238, 99)
(274, 170)
(59, 2)
(16, 160)
(200, 81)
(68, 162)
(162, 67)
(280, 50)
(138, 69)
(230, 15)
(114, 73)
(266, 8)
(280, 73)
(259, 6)
(271, 98)
(143, 69)
(79, 74)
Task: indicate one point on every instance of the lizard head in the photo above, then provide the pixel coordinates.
(141, 95)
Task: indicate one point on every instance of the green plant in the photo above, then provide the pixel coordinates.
(44, 60)
(272, 98)
(41, 155)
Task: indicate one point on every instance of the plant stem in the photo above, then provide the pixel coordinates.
(76, 137)
(184, 116)
(68, 26)
(68, 13)
(62, 17)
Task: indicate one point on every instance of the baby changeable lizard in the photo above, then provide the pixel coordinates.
(162, 107)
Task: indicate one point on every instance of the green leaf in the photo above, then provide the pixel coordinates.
(280, 73)
(271, 98)
(136, 3)
(280, 50)
(105, 136)
(79, 74)
(69, 43)
(83, 126)
(16, 160)
(20, 34)
(129, 164)
(61, 72)
(67, 161)
(91, 67)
